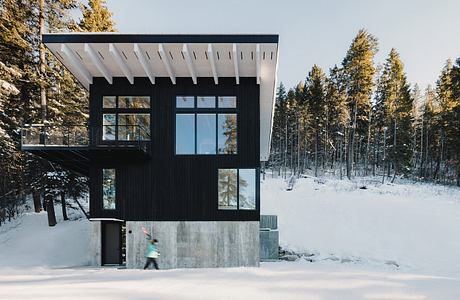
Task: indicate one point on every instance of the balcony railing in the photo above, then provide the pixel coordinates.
(79, 136)
(52, 136)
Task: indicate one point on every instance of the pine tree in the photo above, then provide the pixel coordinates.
(316, 105)
(447, 90)
(338, 114)
(96, 17)
(396, 105)
(359, 71)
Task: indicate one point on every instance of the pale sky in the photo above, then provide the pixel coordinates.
(425, 33)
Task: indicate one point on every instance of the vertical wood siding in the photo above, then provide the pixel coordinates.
(169, 187)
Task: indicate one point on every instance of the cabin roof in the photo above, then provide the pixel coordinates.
(108, 55)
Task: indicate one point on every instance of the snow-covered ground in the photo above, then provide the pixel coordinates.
(272, 281)
(415, 226)
(355, 237)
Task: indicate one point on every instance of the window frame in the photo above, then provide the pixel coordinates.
(256, 190)
(121, 110)
(195, 110)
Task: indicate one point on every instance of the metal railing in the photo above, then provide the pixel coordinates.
(125, 133)
(52, 135)
(40, 135)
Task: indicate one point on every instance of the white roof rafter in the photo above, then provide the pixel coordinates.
(189, 62)
(212, 61)
(235, 63)
(121, 63)
(144, 62)
(77, 63)
(98, 63)
(258, 63)
(165, 60)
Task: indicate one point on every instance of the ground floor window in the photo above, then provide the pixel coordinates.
(108, 189)
(237, 189)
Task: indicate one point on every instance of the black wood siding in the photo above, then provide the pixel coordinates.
(169, 187)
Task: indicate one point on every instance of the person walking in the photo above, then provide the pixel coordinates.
(152, 251)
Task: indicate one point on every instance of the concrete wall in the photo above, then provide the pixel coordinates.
(269, 238)
(95, 243)
(187, 244)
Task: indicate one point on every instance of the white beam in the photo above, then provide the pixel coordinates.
(98, 63)
(77, 64)
(235, 63)
(144, 62)
(188, 60)
(258, 63)
(165, 60)
(213, 64)
(121, 62)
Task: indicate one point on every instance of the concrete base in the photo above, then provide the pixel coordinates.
(95, 243)
(188, 244)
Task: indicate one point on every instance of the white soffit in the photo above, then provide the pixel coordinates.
(86, 57)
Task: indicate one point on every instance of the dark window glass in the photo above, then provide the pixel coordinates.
(109, 102)
(227, 133)
(108, 127)
(108, 189)
(134, 102)
(206, 133)
(134, 127)
(206, 102)
(247, 188)
(185, 102)
(185, 134)
(228, 188)
(226, 102)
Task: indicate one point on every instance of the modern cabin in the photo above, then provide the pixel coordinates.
(177, 131)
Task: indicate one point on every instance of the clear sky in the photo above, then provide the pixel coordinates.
(425, 32)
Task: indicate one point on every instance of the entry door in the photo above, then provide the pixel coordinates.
(111, 243)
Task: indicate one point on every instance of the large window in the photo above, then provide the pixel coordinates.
(237, 189)
(206, 125)
(185, 134)
(126, 118)
(108, 189)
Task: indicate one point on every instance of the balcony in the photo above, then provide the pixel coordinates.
(76, 147)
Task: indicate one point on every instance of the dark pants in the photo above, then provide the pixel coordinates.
(149, 261)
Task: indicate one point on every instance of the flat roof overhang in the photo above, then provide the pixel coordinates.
(108, 55)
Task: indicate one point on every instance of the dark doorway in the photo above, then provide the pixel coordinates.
(111, 243)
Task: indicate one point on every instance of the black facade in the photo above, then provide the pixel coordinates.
(163, 186)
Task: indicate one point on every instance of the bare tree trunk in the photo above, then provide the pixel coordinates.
(285, 148)
(347, 154)
(298, 146)
(50, 208)
(42, 61)
(384, 153)
(395, 152)
(341, 154)
(64, 208)
(366, 158)
(37, 201)
(316, 153)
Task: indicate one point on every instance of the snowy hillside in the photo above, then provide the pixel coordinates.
(415, 226)
(29, 242)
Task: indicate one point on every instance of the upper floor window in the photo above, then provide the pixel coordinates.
(126, 118)
(206, 125)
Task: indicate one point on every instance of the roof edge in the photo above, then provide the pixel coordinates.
(158, 38)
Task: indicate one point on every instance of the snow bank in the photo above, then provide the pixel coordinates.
(29, 241)
(416, 226)
(272, 281)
